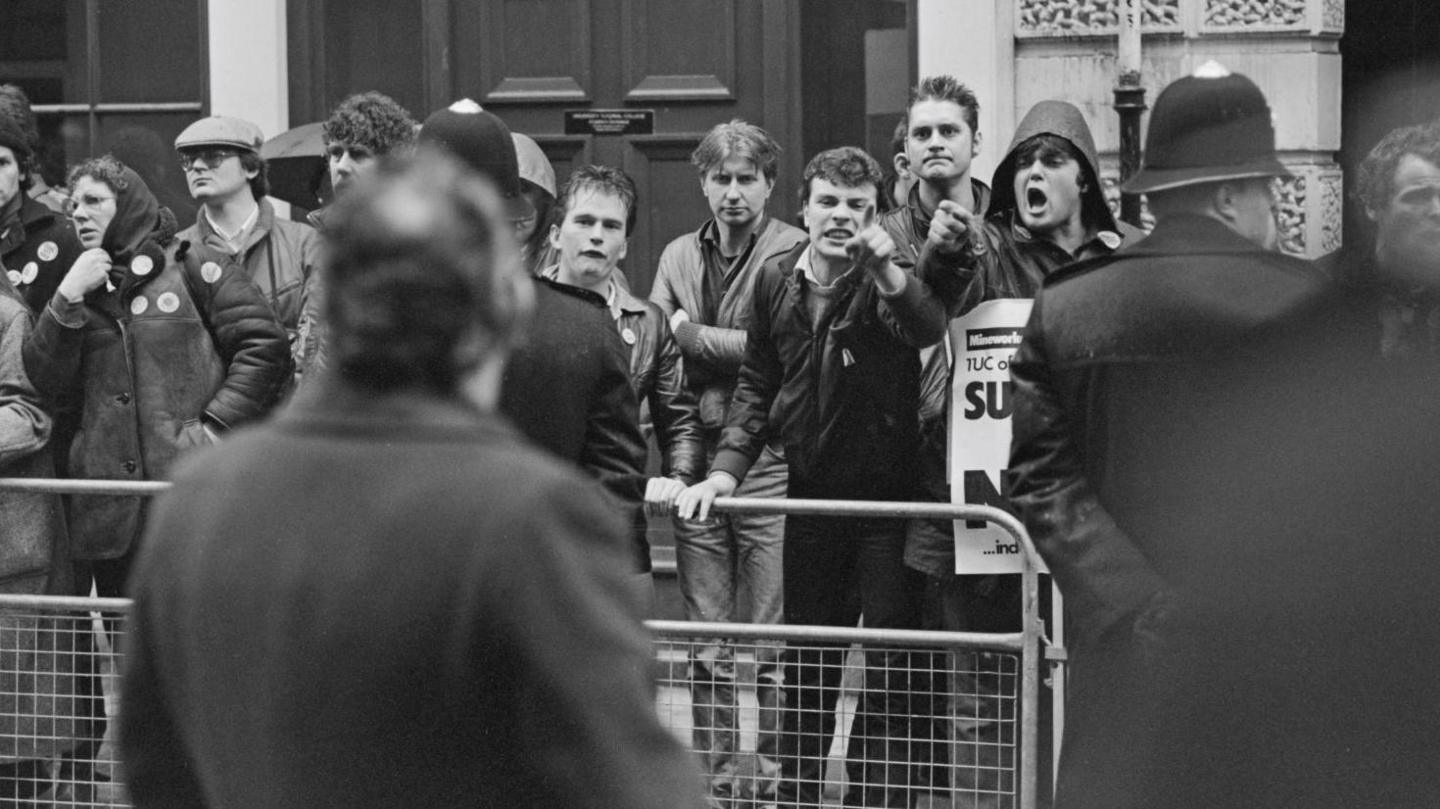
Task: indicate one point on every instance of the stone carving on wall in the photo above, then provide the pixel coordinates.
(1250, 13)
(1110, 182)
(1089, 17)
(1332, 212)
(1333, 16)
(1292, 214)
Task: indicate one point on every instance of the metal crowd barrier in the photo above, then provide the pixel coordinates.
(983, 685)
(59, 662)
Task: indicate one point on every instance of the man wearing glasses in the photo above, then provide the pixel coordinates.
(236, 224)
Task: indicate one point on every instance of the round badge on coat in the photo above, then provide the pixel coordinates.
(27, 275)
(13, 275)
(142, 265)
(139, 305)
(628, 336)
(48, 251)
(168, 302)
(210, 271)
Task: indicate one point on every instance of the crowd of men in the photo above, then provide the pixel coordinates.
(430, 556)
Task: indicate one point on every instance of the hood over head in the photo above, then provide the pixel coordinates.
(1064, 120)
(137, 216)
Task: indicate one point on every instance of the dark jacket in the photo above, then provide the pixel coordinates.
(278, 255)
(657, 374)
(1003, 260)
(1405, 317)
(840, 399)
(713, 348)
(309, 348)
(1161, 402)
(180, 344)
(567, 387)
(431, 613)
(36, 249)
(910, 226)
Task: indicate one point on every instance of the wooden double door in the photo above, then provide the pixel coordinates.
(673, 68)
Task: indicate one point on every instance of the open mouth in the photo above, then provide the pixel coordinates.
(838, 234)
(1035, 199)
(595, 254)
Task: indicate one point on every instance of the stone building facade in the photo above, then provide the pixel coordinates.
(1067, 49)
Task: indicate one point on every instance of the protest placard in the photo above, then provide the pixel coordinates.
(984, 340)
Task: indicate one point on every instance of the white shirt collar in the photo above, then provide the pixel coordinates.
(237, 240)
(805, 266)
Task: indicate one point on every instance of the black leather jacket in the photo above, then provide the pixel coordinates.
(842, 398)
(567, 389)
(657, 374)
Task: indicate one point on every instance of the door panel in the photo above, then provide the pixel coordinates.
(523, 51)
(678, 50)
(696, 63)
(670, 202)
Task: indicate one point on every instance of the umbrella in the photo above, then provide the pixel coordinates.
(297, 166)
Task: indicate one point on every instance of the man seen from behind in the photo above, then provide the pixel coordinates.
(427, 615)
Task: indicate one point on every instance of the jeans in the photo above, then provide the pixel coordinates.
(975, 729)
(715, 559)
(837, 569)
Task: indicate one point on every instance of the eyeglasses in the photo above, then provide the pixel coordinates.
(89, 202)
(337, 151)
(211, 158)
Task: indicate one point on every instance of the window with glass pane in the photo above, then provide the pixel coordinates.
(107, 77)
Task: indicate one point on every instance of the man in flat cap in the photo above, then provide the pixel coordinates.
(1164, 460)
(236, 224)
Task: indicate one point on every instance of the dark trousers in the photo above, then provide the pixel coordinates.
(837, 569)
(109, 576)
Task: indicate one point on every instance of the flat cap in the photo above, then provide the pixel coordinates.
(221, 130)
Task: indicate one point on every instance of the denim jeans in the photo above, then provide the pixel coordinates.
(837, 569)
(715, 559)
(975, 729)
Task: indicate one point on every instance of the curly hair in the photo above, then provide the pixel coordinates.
(737, 138)
(420, 262)
(1375, 179)
(372, 120)
(946, 88)
(104, 168)
(847, 166)
(600, 180)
